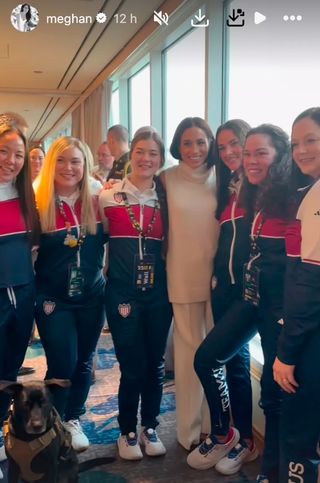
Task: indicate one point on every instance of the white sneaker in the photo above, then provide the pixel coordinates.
(3, 455)
(79, 441)
(209, 452)
(152, 443)
(231, 464)
(262, 479)
(129, 447)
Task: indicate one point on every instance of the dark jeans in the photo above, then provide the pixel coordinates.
(237, 327)
(271, 396)
(139, 325)
(300, 419)
(238, 367)
(221, 346)
(15, 330)
(69, 335)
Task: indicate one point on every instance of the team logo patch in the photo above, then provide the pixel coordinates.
(118, 198)
(124, 310)
(48, 307)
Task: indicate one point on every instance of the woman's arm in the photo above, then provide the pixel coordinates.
(102, 204)
(301, 309)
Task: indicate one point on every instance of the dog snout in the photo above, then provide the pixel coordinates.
(36, 423)
(37, 426)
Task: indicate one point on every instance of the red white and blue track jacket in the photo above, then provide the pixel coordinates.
(54, 259)
(125, 241)
(15, 250)
(302, 297)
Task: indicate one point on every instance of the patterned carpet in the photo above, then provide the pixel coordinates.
(100, 425)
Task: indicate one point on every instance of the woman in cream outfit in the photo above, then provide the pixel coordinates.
(192, 243)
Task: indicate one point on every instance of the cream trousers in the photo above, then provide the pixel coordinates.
(192, 322)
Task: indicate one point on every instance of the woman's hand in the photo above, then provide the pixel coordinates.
(283, 374)
(109, 184)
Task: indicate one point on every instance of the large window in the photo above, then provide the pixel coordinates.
(272, 68)
(139, 106)
(115, 108)
(63, 130)
(185, 80)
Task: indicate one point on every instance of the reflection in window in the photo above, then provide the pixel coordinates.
(185, 80)
(115, 108)
(139, 91)
(273, 75)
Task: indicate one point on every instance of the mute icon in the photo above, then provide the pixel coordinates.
(160, 18)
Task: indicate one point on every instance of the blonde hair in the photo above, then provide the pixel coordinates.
(45, 193)
(89, 156)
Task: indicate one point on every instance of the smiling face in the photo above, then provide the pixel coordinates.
(145, 158)
(258, 155)
(194, 147)
(12, 153)
(230, 149)
(306, 146)
(69, 171)
(36, 157)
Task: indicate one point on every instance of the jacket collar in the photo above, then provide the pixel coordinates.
(127, 187)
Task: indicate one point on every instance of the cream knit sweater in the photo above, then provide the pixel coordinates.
(193, 232)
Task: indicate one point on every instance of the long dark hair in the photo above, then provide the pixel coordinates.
(187, 123)
(272, 196)
(24, 188)
(28, 13)
(240, 129)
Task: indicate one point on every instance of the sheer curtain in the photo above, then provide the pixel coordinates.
(90, 120)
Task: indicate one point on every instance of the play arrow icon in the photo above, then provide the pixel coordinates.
(259, 17)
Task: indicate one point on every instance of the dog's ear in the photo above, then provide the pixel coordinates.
(57, 382)
(10, 387)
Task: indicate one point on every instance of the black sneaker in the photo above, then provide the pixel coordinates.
(25, 371)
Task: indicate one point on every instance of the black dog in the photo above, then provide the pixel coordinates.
(37, 444)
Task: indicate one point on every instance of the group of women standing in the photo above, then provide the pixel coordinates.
(264, 278)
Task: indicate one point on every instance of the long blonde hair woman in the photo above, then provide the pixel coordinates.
(45, 194)
(69, 278)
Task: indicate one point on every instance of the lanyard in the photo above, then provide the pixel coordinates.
(254, 249)
(133, 220)
(135, 224)
(70, 240)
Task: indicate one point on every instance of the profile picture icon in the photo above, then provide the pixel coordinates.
(24, 17)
